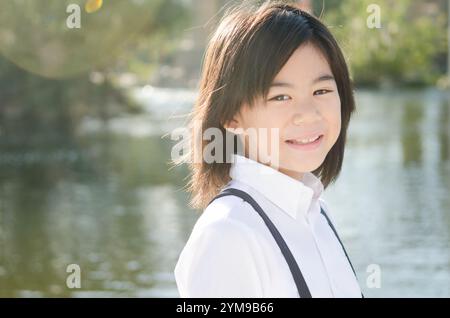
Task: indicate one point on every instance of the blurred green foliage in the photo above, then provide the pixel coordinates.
(408, 49)
(52, 75)
(35, 34)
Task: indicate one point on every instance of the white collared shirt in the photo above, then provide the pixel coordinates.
(231, 252)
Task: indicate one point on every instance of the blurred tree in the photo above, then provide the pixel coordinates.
(405, 50)
(37, 37)
(52, 75)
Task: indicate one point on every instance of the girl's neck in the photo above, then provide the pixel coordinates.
(290, 173)
(293, 174)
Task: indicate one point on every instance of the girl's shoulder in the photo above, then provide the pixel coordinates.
(228, 212)
(219, 257)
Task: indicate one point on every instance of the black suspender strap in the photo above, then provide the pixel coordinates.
(300, 282)
(302, 287)
(337, 236)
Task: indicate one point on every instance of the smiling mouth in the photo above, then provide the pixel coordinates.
(306, 141)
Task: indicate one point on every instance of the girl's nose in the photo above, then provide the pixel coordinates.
(306, 117)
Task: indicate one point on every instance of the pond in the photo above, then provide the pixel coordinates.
(109, 201)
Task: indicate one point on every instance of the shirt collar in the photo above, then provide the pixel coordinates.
(290, 195)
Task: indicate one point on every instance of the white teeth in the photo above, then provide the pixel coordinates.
(304, 141)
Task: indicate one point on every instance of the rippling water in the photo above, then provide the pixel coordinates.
(107, 201)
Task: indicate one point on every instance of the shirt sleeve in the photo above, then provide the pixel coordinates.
(219, 261)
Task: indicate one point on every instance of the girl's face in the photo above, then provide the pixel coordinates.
(303, 104)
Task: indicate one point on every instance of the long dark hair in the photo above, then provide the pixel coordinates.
(250, 46)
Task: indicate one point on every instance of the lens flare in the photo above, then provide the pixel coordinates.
(93, 5)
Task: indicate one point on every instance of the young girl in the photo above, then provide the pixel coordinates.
(275, 79)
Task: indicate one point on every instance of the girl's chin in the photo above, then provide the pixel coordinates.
(296, 168)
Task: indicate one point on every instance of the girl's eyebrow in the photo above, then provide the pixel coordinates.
(322, 78)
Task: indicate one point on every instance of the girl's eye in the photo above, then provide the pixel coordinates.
(322, 92)
(280, 98)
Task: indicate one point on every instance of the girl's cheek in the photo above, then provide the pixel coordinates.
(335, 122)
(331, 113)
